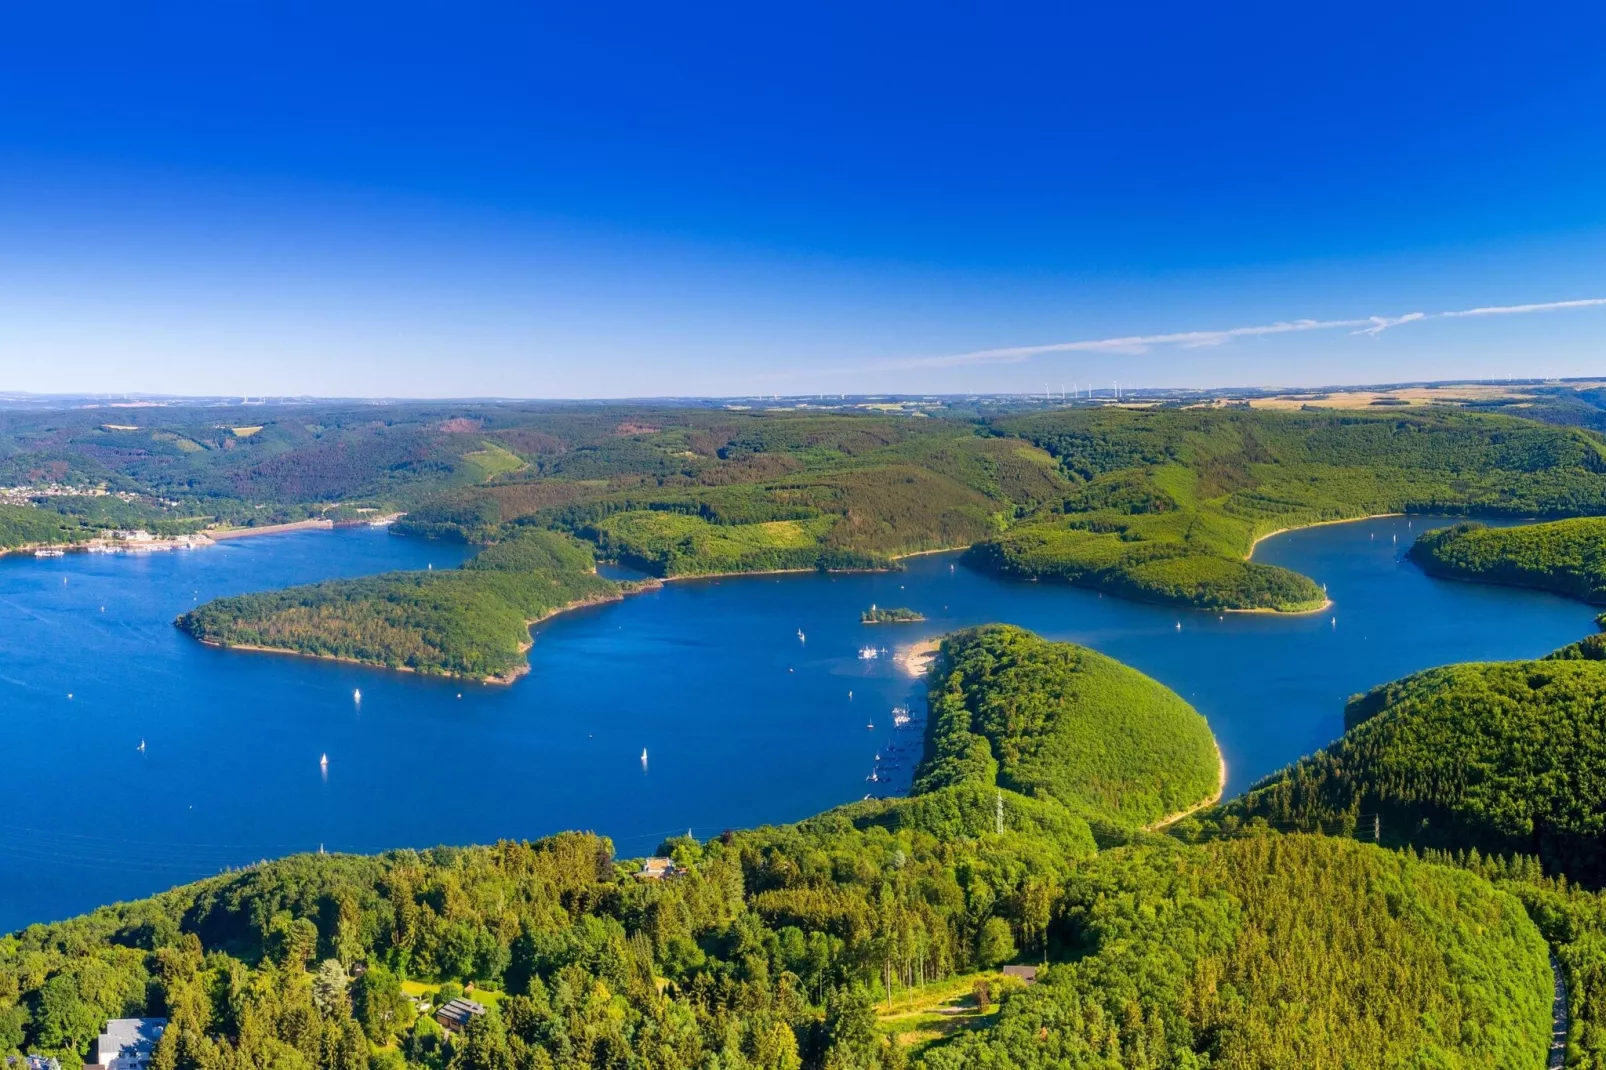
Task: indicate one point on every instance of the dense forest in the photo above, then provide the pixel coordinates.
(1506, 757)
(803, 946)
(1564, 555)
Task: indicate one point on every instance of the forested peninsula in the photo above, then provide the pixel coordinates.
(471, 621)
(839, 942)
(1162, 505)
(1568, 556)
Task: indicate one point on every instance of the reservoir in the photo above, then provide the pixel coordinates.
(743, 720)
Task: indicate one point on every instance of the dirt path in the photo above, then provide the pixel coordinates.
(1221, 788)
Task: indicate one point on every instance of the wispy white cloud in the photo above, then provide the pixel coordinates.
(1134, 345)
(1512, 310)
(1380, 324)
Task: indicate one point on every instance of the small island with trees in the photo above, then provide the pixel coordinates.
(899, 615)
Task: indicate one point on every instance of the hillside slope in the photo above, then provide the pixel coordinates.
(1065, 722)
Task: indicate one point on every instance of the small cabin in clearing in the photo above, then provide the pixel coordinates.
(1022, 973)
(454, 1015)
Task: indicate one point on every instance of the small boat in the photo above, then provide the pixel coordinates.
(1179, 625)
(866, 653)
(141, 747)
(800, 636)
(356, 694)
(48, 553)
(323, 762)
(871, 726)
(644, 757)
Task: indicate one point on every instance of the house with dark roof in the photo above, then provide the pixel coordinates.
(454, 1015)
(127, 1043)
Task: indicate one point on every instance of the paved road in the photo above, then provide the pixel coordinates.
(1558, 1016)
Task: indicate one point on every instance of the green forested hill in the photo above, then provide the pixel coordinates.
(1565, 555)
(1169, 503)
(1282, 951)
(471, 621)
(1063, 721)
(1507, 757)
(773, 947)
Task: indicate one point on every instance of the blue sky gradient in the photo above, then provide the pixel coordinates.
(631, 200)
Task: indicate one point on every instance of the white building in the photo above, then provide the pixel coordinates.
(128, 1043)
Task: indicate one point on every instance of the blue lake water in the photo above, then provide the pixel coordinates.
(743, 722)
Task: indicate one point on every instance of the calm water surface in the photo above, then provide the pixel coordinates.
(743, 722)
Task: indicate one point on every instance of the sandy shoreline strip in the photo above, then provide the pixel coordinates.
(220, 534)
(917, 659)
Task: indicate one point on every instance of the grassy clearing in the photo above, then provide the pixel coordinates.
(934, 1012)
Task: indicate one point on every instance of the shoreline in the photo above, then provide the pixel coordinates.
(1316, 524)
(918, 659)
(1221, 789)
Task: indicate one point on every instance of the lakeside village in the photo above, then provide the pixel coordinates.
(136, 541)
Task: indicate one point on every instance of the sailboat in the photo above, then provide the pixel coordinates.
(644, 757)
(141, 747)
(323, 762)
(356, 694)
(800, 637)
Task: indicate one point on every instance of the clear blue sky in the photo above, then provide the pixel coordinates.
(614, 200)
